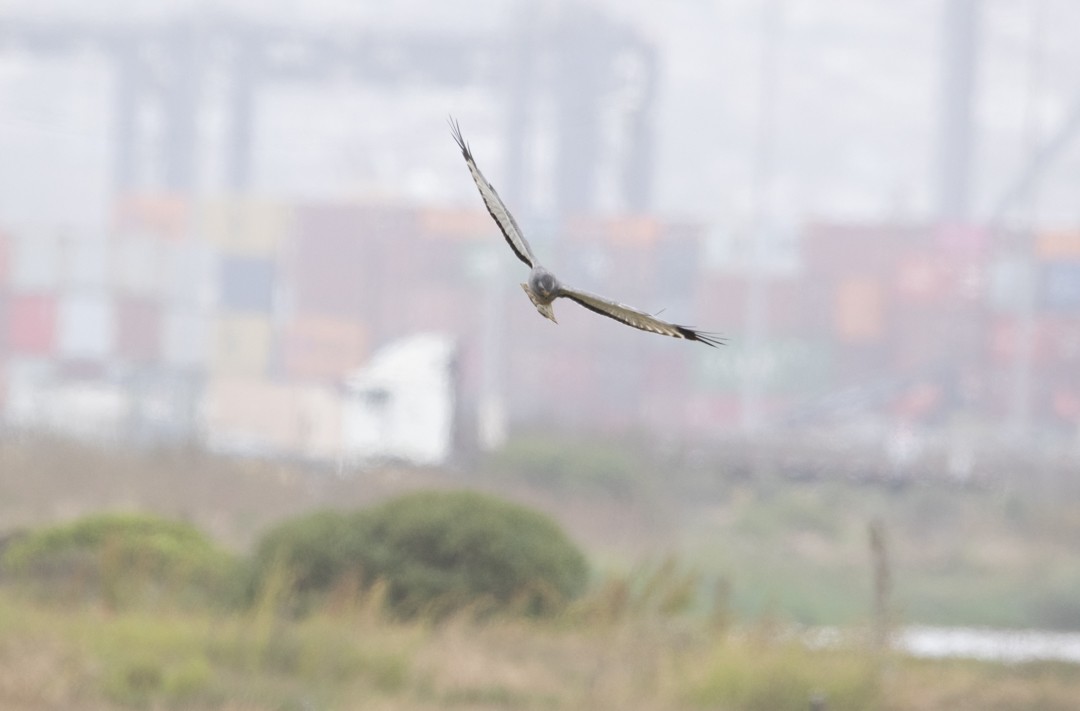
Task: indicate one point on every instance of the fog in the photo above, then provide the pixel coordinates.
(242, 231)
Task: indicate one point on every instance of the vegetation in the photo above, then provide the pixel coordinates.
(436, 551)
(122, 559)
(149, 616)
(351, 656)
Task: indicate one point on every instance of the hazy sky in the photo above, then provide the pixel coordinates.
(854, 127)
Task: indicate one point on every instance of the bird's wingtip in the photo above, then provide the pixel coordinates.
(710, 339)
(455, 131)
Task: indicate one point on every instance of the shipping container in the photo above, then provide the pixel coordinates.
(868, 249)
(242, 344)
(137, 265)
(322, 347)
(1060, 285)
(1055, 340)
(5, 258)
(190, 271)
(138, 329)
(35, 261)
(333, 267)
(858, 310)
(1008, 280)
(245, 415)
(4, 327)
(638, 230)
(458, 224)
(28, 379)
(86, 325)
(186, 337)
(963, 242)
(157, 216)
(922, 277)
(245, 226)
(32, 324)
(84, 261)
(247, 283)
(165, 405)
(1058, 245)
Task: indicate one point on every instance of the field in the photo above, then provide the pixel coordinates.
(703, 574)
(350, 657)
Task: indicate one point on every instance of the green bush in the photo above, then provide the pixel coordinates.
(122, 560)
(436, 551)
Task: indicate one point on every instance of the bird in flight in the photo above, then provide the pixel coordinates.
(543, 287)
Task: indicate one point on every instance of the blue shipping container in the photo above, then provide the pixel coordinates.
(247, 284)
(1060, 285)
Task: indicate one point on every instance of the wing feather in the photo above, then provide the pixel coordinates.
(638, 319)
(494, 204)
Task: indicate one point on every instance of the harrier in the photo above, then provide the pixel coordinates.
(543, 287)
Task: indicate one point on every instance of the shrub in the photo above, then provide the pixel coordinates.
(122, 560)
(436, 551)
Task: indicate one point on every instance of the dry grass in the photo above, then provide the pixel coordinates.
(643, 641)
(350, 658)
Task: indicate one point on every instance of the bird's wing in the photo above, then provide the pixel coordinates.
(506, 222)
(638, 319)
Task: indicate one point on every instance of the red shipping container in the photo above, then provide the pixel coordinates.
(1053, 339)
(858, 310)
(138, 329)
(32, 324)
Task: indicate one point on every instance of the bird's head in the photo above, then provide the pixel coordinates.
(546, 286)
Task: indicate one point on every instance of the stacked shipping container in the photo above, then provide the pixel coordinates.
(254, 296)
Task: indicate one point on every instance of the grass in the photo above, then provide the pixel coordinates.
(704, 628)
(792, 547)
(351, 657)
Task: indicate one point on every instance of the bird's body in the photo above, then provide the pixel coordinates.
(543, 287)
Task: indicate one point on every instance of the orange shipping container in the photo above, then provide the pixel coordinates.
(166, 216)
(639, 231)
(323, 347)
(459, 224)
(1058, 245)
(858, 310)
(242, 345)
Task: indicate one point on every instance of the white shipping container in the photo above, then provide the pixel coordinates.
(85, 325)
(87, 410)
(137, 266)
(35, 260)
(189, 273)
(252, 416)
(84, 261)
(27, 381)
(185, 334)
(1010, 278)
